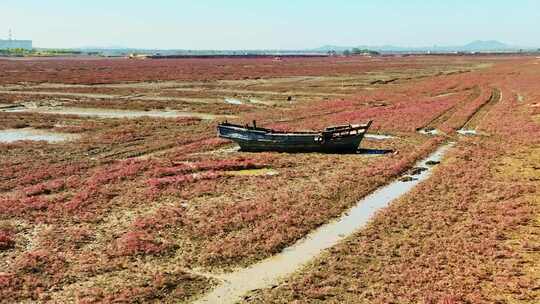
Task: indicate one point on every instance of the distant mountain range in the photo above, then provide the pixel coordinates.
(475, 46)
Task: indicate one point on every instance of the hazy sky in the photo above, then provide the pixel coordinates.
(277, 24)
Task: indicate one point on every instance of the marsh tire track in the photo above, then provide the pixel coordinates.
(477, 117)
(446, 115)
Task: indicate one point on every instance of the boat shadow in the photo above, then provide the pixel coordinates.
(357, 152)
(373, 151)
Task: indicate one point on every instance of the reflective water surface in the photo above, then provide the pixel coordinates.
(268, 272)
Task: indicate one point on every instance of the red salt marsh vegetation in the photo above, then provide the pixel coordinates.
(135, 209)
(467, 235)
(121, 70)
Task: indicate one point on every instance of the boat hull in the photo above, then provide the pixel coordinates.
(259, 141)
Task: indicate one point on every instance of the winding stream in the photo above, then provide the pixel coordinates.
(13, 135)
(268, 272)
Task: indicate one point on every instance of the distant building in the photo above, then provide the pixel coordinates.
(15, 44)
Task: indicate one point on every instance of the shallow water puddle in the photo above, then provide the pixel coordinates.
(445, 94)
(379, 136)
(253, 172)
(467, 132)
(226, 150)
(114, 113)
(268, 272)
(13, 135)
(233, 101)
(258, 101)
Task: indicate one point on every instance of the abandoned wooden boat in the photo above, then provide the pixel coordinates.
(336, 139)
